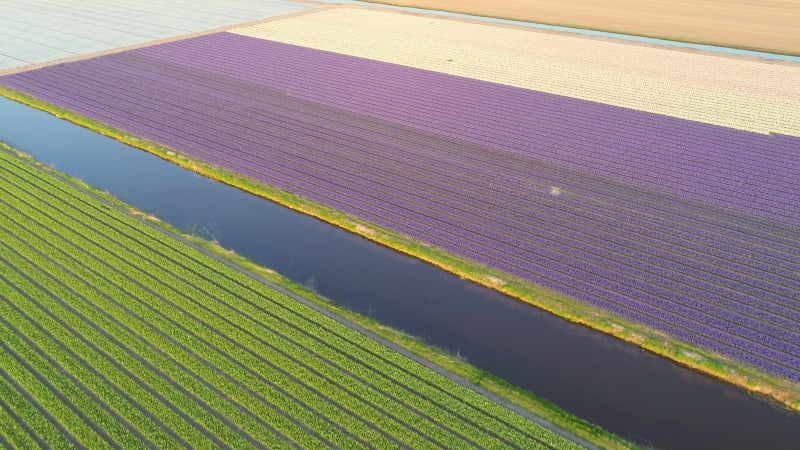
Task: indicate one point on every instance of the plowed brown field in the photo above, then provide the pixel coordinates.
(766, 25)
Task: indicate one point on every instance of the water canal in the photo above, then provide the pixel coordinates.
(628, 391)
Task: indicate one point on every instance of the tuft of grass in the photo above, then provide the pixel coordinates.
(779, 389)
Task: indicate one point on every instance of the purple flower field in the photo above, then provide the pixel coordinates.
(736, 169)
(690, 228)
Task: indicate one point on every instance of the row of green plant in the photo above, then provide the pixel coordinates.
(14, 430)
(420, 374)
(78, 247)
(115, 369)
(167, 387)
(194, 336)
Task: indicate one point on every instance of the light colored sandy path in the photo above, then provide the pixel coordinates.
(764, 25)
(739, 93)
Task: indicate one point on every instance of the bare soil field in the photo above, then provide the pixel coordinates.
(764, 25)
(743, 93)
(36, 32)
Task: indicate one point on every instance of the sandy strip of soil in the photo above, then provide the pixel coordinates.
(763, 25)
(740, 93)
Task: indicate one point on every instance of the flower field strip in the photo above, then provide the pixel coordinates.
(750, 236)
(713, 164)
(783, 337)
(219, 94)
(733, 92)
(190, 115)
(218, 99)
(708, 135)
(522, 440)
(431, 101)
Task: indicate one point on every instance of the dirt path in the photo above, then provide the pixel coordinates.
(764, 25)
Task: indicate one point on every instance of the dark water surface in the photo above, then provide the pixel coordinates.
(628, 391)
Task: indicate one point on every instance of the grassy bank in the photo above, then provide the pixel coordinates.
(718, 366)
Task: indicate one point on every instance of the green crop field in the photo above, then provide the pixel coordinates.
(114, 333)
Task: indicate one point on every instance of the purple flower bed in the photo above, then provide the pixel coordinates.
(686, 227)
(731, 168)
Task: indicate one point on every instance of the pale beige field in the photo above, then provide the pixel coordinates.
(743, 93)
(767, 25)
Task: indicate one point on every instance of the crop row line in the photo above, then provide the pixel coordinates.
(515, 101)
(159, 103)
(106, 213)
(242, 399)
(30, 414)
(127, 369)
(94, 82)
(16, 432)
(96, 418)
(78, 367)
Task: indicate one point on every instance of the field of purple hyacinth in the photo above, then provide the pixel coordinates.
(690, 228)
